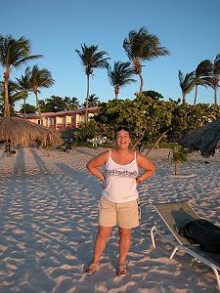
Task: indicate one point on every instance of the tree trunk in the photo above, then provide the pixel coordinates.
(141, 83)
(216, 95)
(157, 142)
(87, 99)
(116, 91)
(184, 99)
(138, 141)
(38, 107)
(24, 105)
(6, 101)
(196, 93)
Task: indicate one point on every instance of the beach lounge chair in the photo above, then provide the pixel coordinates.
(175, 215)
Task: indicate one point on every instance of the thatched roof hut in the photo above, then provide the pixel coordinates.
(205, 139)
(19, 131)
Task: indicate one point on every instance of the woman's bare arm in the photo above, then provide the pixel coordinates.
(147, 165)
(96, 163)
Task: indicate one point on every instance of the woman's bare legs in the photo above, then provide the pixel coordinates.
(100, 242)
(124, 244)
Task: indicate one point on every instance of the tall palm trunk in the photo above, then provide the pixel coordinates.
(184, 98)
(196, 93)
(87, 98)
(216, 95)
(24, 106)
(38, 107)
(6, 102)
(141, 83)
(7, 110)
(116, 91)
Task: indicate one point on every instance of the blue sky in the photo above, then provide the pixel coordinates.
(189, 29)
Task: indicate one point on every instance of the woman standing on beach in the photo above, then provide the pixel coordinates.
(118, 204)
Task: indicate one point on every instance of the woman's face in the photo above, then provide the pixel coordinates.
(123, 139)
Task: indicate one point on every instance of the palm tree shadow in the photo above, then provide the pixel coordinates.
(46, 223)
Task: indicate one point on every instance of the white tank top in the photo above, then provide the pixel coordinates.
(120, 181)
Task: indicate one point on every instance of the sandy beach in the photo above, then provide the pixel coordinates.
(48, 223)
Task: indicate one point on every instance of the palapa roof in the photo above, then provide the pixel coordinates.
(23, 132)
(205, 139)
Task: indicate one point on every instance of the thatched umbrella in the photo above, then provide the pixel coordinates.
(18, 131)
(205, 139)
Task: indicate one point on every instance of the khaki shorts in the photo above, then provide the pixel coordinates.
(125, 215)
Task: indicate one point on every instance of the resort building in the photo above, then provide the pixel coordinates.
(62, 119)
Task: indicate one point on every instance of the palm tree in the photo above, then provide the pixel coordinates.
(120, 75)
(91, 59)
(38, 78)
(24, 86)
(203, 71)
(71, 103)
(187, 83)
(141, 46)
(178, 155)
(14, 94)
(93, 100)
(13, 53)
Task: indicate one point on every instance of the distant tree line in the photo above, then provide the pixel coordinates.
(139, 46)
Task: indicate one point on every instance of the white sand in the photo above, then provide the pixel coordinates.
(48, 224)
